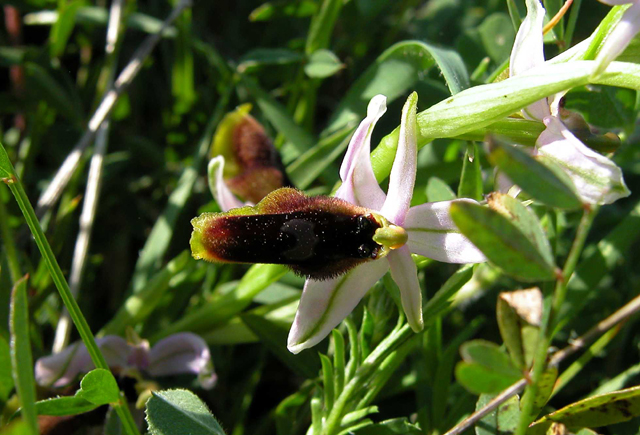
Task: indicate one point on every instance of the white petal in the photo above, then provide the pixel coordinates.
(528, 52)
(223, 196)
(619, 38)
(405, 273)
(433, 234)
(359, 184)
(324, 304)
(597, 179)
(403, 172)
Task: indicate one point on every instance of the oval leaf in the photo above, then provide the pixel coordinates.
(180, 411)
(489, 355)
(99, 387)
(481, 380)
(502, 242)
(322, 64)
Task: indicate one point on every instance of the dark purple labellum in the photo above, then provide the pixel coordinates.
(320, 237)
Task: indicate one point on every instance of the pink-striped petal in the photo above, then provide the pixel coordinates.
(324, 304)
(405, 273)
(359, 184)
(223, 196)
(433, 234)
(403, 172)
(597, 179)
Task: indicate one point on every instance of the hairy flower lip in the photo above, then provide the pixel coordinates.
(318, 237)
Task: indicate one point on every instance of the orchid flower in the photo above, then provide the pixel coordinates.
(342, 244)
(425, 229)
(180, 353)
(253, 167)
(621, 36)
(597, 179)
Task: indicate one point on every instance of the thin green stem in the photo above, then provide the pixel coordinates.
(61, 283)
(551, 310)
(572, 260)
(368, 367)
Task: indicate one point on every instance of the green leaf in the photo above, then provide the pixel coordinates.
(481, 380)
(390, 427)
(274, 337)
(497, 35)
(545, 388)
(63, 26)
(509, 325)
(268, 56)
(172, 412)
(322, 25)
(524, 219)
(6, 378)
(322, 64)
(438, 190)
(502, 242)
(283, 8)
(99, 387)
(395, 72)
(327, 381)
(598, 411)
(21, 359)
(502, 420)
(549, 186)
(471, 177)
(485, 369)
(489, 355)
(66, 405)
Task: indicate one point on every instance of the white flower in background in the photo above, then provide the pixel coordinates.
(597, 179)
(181, 353)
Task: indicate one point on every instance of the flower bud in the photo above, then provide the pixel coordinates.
(252, 164)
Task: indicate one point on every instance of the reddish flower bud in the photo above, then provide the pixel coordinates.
(253, 167)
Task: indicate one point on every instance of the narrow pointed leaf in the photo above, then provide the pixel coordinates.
(502, 242)
(6, 379)
(598, 411)
(21, 359)
(551, 187)
(65, 405)
(180, 411)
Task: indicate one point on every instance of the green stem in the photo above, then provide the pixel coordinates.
(60, 282)
(369, 366)
(552, 308)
